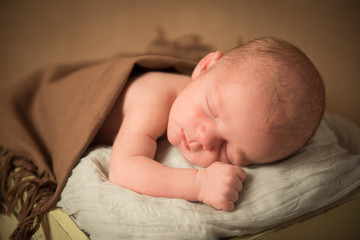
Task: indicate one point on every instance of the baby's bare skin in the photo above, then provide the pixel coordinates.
(142, 113)
(258, 104)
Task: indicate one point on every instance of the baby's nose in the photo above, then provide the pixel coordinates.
(206, 137)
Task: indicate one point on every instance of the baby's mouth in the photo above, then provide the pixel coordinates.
(183, 138)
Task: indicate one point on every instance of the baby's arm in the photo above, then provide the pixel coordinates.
(132, 163)
(145, 109)
(132, 166)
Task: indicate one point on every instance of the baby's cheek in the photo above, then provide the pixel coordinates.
(172, 137)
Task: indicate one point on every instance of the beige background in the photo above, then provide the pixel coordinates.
(41, 32)
(38, 33)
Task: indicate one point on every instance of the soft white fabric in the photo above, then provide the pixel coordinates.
(322, 172)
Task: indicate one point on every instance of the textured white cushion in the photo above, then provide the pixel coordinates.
(319, 174)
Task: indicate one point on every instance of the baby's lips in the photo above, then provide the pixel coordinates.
(184, 140)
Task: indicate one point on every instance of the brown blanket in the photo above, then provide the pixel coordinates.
(48, 120)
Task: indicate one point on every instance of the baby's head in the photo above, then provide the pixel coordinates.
(259, 103)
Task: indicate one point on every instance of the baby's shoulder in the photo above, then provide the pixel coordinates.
(148, 99)
(153, 88)
(144, 104)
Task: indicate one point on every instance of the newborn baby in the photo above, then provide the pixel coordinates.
(258, 103)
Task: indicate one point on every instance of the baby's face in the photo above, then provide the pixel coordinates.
(216, 119)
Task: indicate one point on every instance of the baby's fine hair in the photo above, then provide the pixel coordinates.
(297, 95)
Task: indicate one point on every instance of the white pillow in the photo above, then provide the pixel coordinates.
(316, 176)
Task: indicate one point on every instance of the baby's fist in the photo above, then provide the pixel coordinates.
(220, 184)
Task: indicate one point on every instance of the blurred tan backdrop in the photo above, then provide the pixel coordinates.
(38, 33)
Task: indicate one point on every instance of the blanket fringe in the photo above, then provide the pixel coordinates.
(22, 187)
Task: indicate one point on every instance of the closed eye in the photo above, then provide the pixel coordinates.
(210, 109)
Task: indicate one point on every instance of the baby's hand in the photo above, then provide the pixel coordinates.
(220, 185)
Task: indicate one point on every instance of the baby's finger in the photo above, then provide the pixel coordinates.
(228, 206)
(234, 196)
(241, 173)
(238, 185)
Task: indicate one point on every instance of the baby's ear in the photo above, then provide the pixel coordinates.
(206, 62)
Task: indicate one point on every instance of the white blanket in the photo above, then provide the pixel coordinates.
(322, 172)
